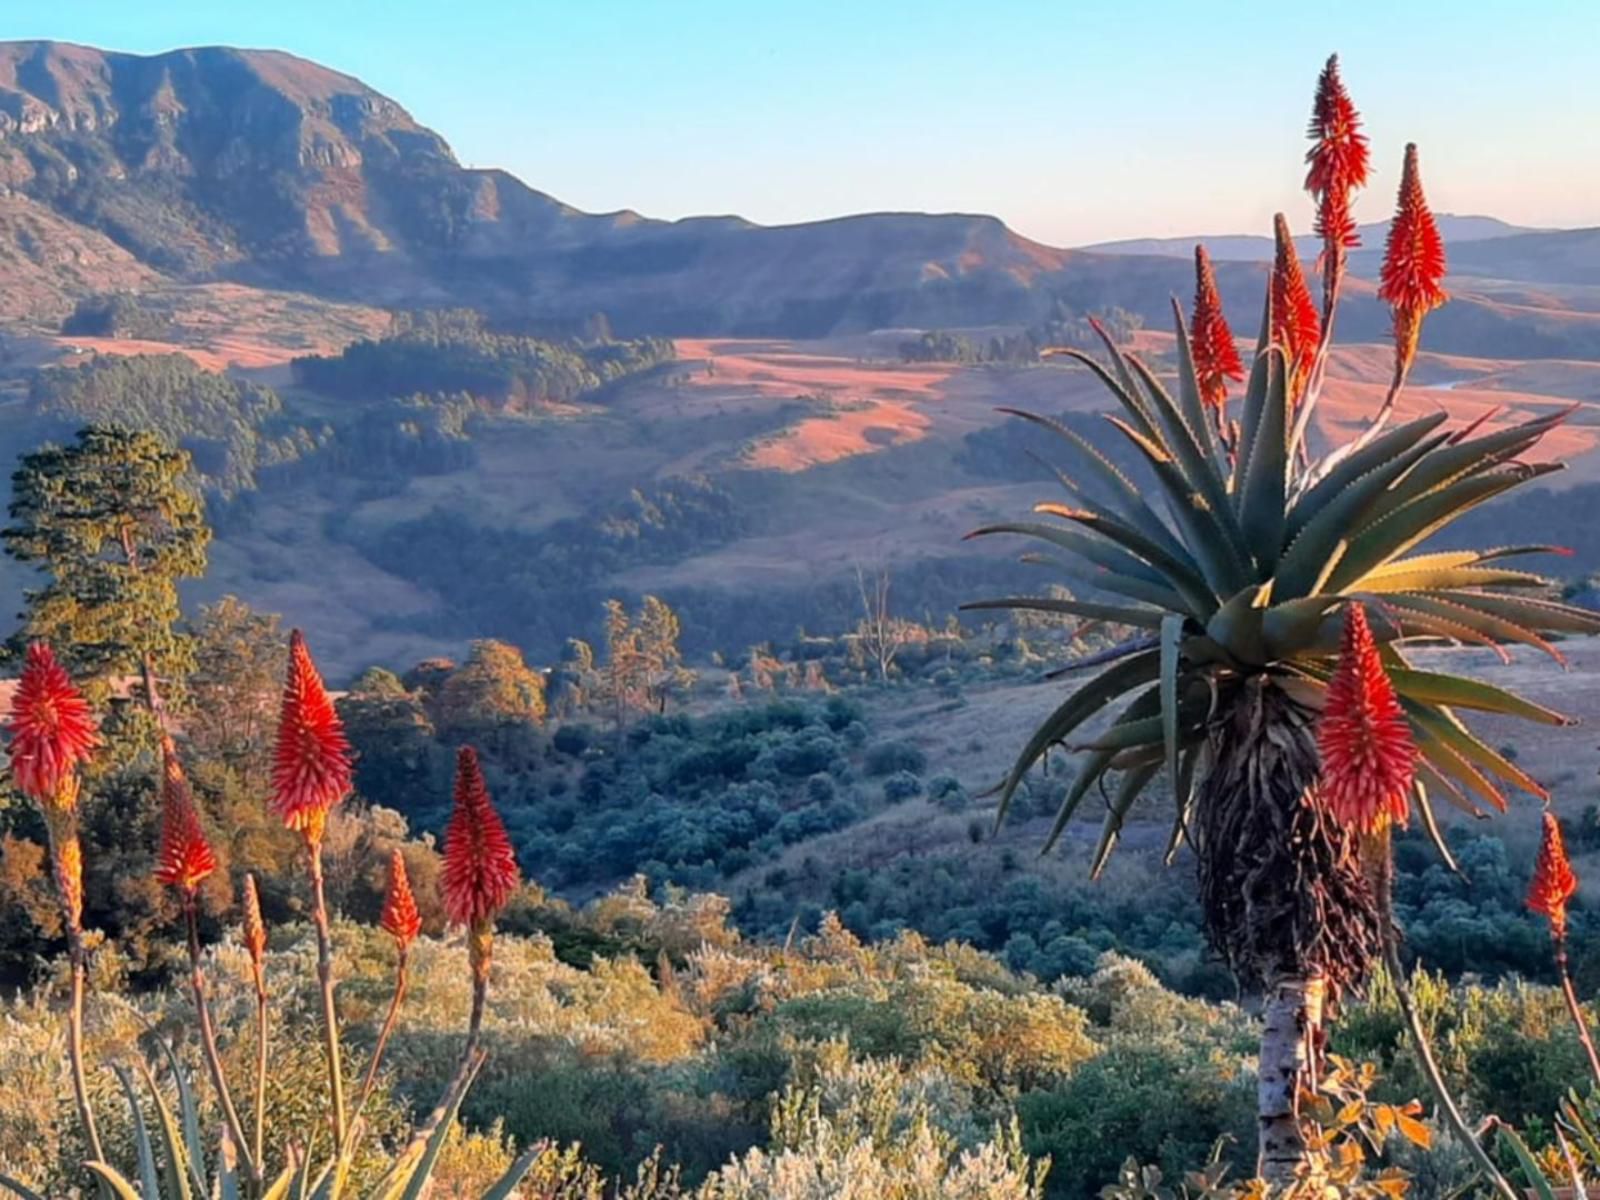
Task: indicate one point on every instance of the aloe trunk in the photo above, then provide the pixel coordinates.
(1291, 1032)
(1286, 903)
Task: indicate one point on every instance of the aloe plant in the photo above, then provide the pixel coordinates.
(1235, 571)
(171, 1162)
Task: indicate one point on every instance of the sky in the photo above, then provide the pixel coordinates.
(1074, 122)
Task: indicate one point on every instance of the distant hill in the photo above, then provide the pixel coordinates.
(1232, 247)
(1562, 256)
(219, 166)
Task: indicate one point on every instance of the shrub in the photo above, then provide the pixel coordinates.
(885, 758)
(900, 786)
(946, 791)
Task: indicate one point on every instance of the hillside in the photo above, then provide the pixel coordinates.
(248, 207)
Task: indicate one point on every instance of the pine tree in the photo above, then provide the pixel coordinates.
(113, 522)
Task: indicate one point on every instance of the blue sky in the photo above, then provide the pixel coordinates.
(1073, 121)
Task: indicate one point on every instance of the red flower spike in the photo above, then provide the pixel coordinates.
(185, 858)
(1216, 358)
(311, 766)
(1553, 881)
(1368, 757)
(1338, 160)
(1296, 327)
(52, 730)
(480, 868)
(400, 918)
(1413, 264)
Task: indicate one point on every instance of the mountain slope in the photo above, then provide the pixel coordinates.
(256, 167)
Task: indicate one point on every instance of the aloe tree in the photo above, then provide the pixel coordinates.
(1234, 567)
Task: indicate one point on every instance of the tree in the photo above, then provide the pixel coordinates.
(493, 689)
(577, 679)
(398, 761)
(1239, 593)
(230, 711)
(113, 523)
(880, 635)
(658, 632)
(625, 678)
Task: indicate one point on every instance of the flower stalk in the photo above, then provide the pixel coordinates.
(402, 922)
(480, 874)
(1378, 853)
(52, 731)
(208, 1040)
(311, 773)
(1412, 276)
(184, 861)
(1554, 883)
(325, 986)
(255, 943)
(1216, 358)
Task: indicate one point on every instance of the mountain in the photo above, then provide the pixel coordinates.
(1233, 247)
(222, 166)
(259, 167)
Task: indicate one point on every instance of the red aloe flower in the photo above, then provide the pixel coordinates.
(185, 858)
(1413, 264)
(1338, 158)
(311, 767)
(1553, 881)
(400, 918)
(52, 729)
(1216, 358)
(1295, 324)
(480, 868)
(1368, 757)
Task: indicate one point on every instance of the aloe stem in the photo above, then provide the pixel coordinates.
(260, 1115)
(1573, 1006)
(480, 953)
(389, 1022)
(1383, 881)
(330, 1019)
(208, 1036)
(61, 827)
(80, 1084)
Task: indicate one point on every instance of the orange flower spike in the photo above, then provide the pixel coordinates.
(311, 765)
(185, 858)
(1338, 161)
(52, 730)
(1296, 327)
(1368, 756)
(1553, 880)
(400, 918)
(1216, 358)
(68, 865)
(253, 930)
(1413, 271)
(480, 867)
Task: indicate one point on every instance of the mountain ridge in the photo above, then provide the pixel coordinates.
(257, 167)
(1457, 229)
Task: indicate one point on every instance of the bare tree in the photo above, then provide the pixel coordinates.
(879, 634)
